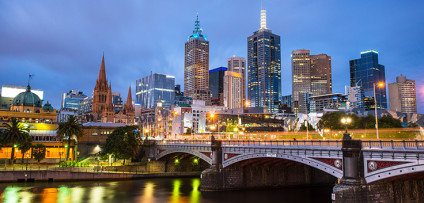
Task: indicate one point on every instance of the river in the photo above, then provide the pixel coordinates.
(174, 190)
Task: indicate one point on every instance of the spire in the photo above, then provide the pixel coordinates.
(263, 19)
(197, 29)
(128, 106)
(102, 73)
(109, 103)
(129, 98)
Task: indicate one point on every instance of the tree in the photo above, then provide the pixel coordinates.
(67, 130)
(25, 146)
(14, 134)
(122, 143)
(39, 152)
(303, 127)
(387, 121)
(189, 131)
(331, 120)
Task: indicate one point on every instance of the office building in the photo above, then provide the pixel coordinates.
(233, 85)
(310, 73)
(403, 95)
(216, 85)
(264, 68)
(327, 101)
(154, 87)
(367, 72)
(238, 65)
(72, 99)
(178, 91)
(196, 65)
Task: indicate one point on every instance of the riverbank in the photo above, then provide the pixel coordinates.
(55, 176)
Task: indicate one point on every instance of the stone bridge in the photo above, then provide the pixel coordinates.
(352, 162)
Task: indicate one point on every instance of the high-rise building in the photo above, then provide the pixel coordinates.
(117, 102)
(264, 68)
(311, 74)
(233, 85)
(154, 87)
(196, 65)
(178, 91)
(403, 95)
(72, 99)
(216, 85)
(367, 72)
(238, 65)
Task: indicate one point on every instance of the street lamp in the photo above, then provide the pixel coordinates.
(345, 122)
(380, 85)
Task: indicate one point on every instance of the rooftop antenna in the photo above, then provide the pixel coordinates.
(263, 17)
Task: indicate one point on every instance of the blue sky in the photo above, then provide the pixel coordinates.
(61, 42)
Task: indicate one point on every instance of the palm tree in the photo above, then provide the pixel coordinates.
(67, 130)
(25, 146)
(14, 134)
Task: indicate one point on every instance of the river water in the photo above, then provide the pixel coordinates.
(172, 190)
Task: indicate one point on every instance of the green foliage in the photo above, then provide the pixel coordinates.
(303, 127)
(412, 125)
(388, 121)
(67, 130)
(332, 120)
(14, 134)
(25, 146)
(122, 143)
(189, 131)
(39, 152)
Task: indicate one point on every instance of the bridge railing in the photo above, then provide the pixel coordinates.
(185, 142)
(286, 143)
(393, 145)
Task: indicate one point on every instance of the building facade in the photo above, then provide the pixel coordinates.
(328, 101)
(196, 65)
(216, 85)
(233, 93)
(264, 68)
(9, 92)
(403, 95)
(367, 72)
(154, 87)
(72, 99)
(238, 65)
(310, 74)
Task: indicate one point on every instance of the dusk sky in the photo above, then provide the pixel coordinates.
(61, 42)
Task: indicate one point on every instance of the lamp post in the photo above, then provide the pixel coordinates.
(380, 84)
(213, 127)
(345, 122)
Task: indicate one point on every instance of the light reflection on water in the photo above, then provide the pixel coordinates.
(149, 191)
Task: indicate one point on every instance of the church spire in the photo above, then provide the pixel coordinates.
(128, 105)
(102, 73)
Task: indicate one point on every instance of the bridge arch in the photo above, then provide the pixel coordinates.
(198, 154)
(333, 171)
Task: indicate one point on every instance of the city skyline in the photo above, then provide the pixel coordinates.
(50, 53)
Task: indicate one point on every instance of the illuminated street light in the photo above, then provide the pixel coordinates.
(175, 113)
(345, 122)
(247, 103)
(380, 85)
(212, 115)
(326, 130)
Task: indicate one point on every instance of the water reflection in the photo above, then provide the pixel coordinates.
(150, 191)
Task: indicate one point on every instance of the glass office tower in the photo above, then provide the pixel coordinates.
(264, 68)
(366, 72)
(149, 89)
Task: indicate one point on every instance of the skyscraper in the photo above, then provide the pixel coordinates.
(196, 65)
(150, 88)
(403, 95)
(233, 90)
(366, 72)
(238, 65)
(216, 85)
(311, 74)
(72, 99)
(264, 68)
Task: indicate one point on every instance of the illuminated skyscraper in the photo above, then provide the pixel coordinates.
(366, 72)
(264, 68)
(238, 65)
(311, 74)
(196, 66)
(403, 95)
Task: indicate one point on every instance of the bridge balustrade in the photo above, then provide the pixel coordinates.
(393, 145)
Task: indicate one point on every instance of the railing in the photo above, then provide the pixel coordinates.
(393, 145)
(255, 143)
(333, 144)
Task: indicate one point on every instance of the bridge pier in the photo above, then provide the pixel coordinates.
(212, 179)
